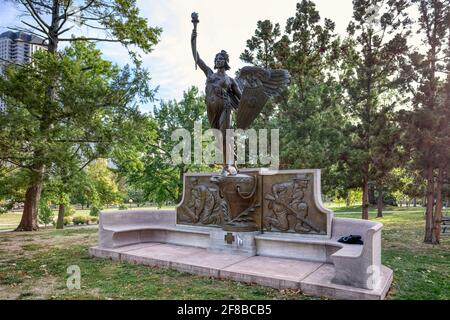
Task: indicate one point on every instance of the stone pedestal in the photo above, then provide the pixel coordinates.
(242, 243)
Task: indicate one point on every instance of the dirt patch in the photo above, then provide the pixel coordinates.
(42, 288)
(25, 244)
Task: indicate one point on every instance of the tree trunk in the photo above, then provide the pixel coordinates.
(380, 202)
(365, 198)
(414, 202)
(371, 195)
(430, 205)
(60, 221)
(436, 229)
(181, 182)
(29, 221)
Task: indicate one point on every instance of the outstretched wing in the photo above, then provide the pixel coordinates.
(258, 85)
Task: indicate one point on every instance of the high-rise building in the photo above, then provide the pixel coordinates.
(17, 47)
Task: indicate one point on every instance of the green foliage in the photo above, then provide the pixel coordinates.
(122, 207)
(352, 197)
(311, 115)
(46, 214)
(13, 182)
(70, 211)
(379, 32)
(67, 220)
(94, 211)
(92, 113)
(80, 219)
(158, 178)
(262, 47)
(426, 131)
(93, 220)
(103, 185)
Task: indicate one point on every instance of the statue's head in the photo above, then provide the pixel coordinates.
(221, 60)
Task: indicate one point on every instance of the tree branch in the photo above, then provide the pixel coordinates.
(28, 4)
(88, 39)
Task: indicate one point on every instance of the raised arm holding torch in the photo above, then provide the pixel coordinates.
(195, 21)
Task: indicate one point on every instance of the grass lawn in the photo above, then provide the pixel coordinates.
(33, 266)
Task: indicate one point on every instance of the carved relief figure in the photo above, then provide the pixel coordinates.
(288, 210)
(205, 206)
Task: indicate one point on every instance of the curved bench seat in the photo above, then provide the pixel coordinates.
(332, 246)
(122, 228)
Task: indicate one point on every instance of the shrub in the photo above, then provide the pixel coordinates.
(45, 214)
(93, 219)
(95, 211)
(122, 207)
(70, 211)
(67, 220)
(80, 219)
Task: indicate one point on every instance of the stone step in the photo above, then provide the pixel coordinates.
(312, 278)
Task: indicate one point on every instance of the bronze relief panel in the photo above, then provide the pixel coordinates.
(232, 202)
(289, 205)
(202, 203)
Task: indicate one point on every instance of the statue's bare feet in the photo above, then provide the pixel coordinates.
(229, 170)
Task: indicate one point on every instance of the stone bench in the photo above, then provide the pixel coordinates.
(355, 265)
(122, 228)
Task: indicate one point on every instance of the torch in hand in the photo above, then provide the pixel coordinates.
(195, 21)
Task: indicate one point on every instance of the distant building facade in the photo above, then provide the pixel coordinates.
(17, 47)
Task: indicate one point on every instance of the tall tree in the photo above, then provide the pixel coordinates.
(387, 152)
(262, 47)
(310, 115)
(91, 113)
(262, 51)
(54, 20)
(427, 131)
(380, 29)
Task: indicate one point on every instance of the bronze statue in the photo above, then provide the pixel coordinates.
(247, 94)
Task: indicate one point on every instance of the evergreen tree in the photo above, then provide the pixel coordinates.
(310, 115)
(379, 29)
(427, 125)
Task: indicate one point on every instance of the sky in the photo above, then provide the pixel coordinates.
(223, 25)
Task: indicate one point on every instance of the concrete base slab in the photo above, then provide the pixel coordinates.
(114, 254)
(207, 263)
(271, 272)
(312, 278)
(159, 255)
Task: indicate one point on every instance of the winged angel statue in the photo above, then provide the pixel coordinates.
(247, 94)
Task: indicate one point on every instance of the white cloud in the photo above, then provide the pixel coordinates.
(223, 25)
